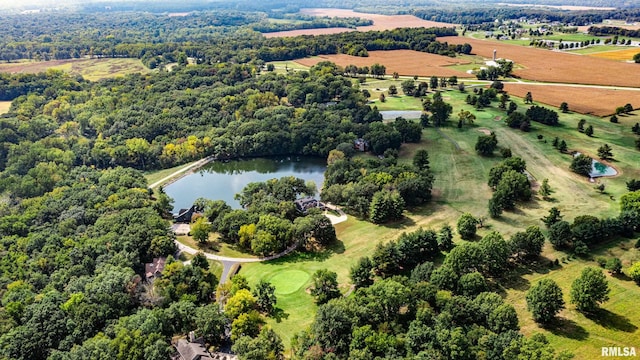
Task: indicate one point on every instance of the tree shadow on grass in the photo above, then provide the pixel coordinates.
(300, 255)
(611, 320)
(403, 223)
(567, 328)
(279, 315)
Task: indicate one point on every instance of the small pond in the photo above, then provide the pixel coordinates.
(220, 180)
(599, 169)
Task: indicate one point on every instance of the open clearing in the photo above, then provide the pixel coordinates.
(585, 100)
(90, 69)
(4, 106)
(555, 66)
(380, 22)
(404, 62)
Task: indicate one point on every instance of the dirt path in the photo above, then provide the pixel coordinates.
(457, 146)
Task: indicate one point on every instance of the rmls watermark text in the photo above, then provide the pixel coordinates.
(618, 351)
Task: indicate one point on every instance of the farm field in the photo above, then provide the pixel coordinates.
(90, 69)
(620, 55)
(405, 62)
(585, 100)
(460, 186)
(554, 66)
(380, 22)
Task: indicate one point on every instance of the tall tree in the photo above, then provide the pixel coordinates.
(544, 300)
(589, 290)
(324, 286)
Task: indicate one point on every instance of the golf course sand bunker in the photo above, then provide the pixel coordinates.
(289, 281)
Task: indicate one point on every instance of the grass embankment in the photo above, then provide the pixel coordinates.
(153, 176)
(460, 186)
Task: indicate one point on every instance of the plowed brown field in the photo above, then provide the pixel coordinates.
(584, 100)
(554, 66)
(380, 22)
(404, 62)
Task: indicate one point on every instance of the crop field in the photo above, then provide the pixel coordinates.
(90, 69)
(584, 100)
(404, 62)
(380, 22)
(620, 55)
(554, 66)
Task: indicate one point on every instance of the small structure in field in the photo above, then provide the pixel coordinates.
(361, 144)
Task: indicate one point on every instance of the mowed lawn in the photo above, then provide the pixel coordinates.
(460, 186)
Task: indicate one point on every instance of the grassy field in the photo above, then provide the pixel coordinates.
(398, 103)
(90, 69)
(460, 186)
(4, 106)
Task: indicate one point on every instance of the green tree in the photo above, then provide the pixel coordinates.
(393, 90)
(440, 112)
(472, 284)
(361, 273)
(527, 245)
(564, 107)
(604, 152)
(267, 345)
(421, 159)
(581, 164)
(503, 318)
(528, 98)
(240, 303)
(246, 324)
(324, 286)
(386, 206)
(445, 238)
(332, 328)
(544, 301)
(553, 217)
(265, 295)
(200, 230)
(562, 147)
(634, 272)
(589, 290)
(211, 323)
(589, 130)
(581, 124)
(636, 58)
(545, 189)
(486, 144)
(467, 226)
(614, 266)
(560, 235)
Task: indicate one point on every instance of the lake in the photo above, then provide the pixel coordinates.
(220, 180)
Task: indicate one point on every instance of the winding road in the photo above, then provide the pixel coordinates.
(228, 262)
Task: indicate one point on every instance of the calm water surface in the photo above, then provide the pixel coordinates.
(222, 180)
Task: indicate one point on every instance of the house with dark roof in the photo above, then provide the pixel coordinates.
(193, 349)
(154, 269)
(304, 204)
(361, 144)
(184, 215)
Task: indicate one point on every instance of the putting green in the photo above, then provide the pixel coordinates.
(289, 281)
